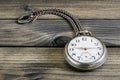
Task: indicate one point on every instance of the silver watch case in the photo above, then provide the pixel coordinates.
(86, 66)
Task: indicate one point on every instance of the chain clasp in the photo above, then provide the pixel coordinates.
(24, 19)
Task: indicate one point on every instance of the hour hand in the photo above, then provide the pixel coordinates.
(81, 48)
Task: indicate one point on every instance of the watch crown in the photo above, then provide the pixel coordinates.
(84, 32)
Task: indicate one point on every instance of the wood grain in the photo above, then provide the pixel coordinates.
(49, 64)
(101, 17)
(84, 9)
(42, 32)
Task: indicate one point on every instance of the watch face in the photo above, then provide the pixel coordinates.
(85, 49)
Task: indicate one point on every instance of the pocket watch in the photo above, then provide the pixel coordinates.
(84, 51)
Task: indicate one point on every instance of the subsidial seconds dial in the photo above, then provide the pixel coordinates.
(85, 52)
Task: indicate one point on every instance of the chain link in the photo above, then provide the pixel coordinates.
(34, 14)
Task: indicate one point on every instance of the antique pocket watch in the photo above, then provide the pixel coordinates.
(84, 51)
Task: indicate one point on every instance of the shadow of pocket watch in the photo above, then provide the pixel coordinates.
(84, 51)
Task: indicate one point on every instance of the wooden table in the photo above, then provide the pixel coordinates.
(25, 52)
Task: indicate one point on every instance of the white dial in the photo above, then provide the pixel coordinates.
(85, 49)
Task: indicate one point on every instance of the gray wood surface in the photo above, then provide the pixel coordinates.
(85, 9)
(39, 33)
(49, 64)
(101, 17)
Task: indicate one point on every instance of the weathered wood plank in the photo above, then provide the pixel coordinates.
(49, 64)
(28, 63)
(84, 9)
(41, 32)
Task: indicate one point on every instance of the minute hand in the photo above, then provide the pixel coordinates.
(84, 48)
